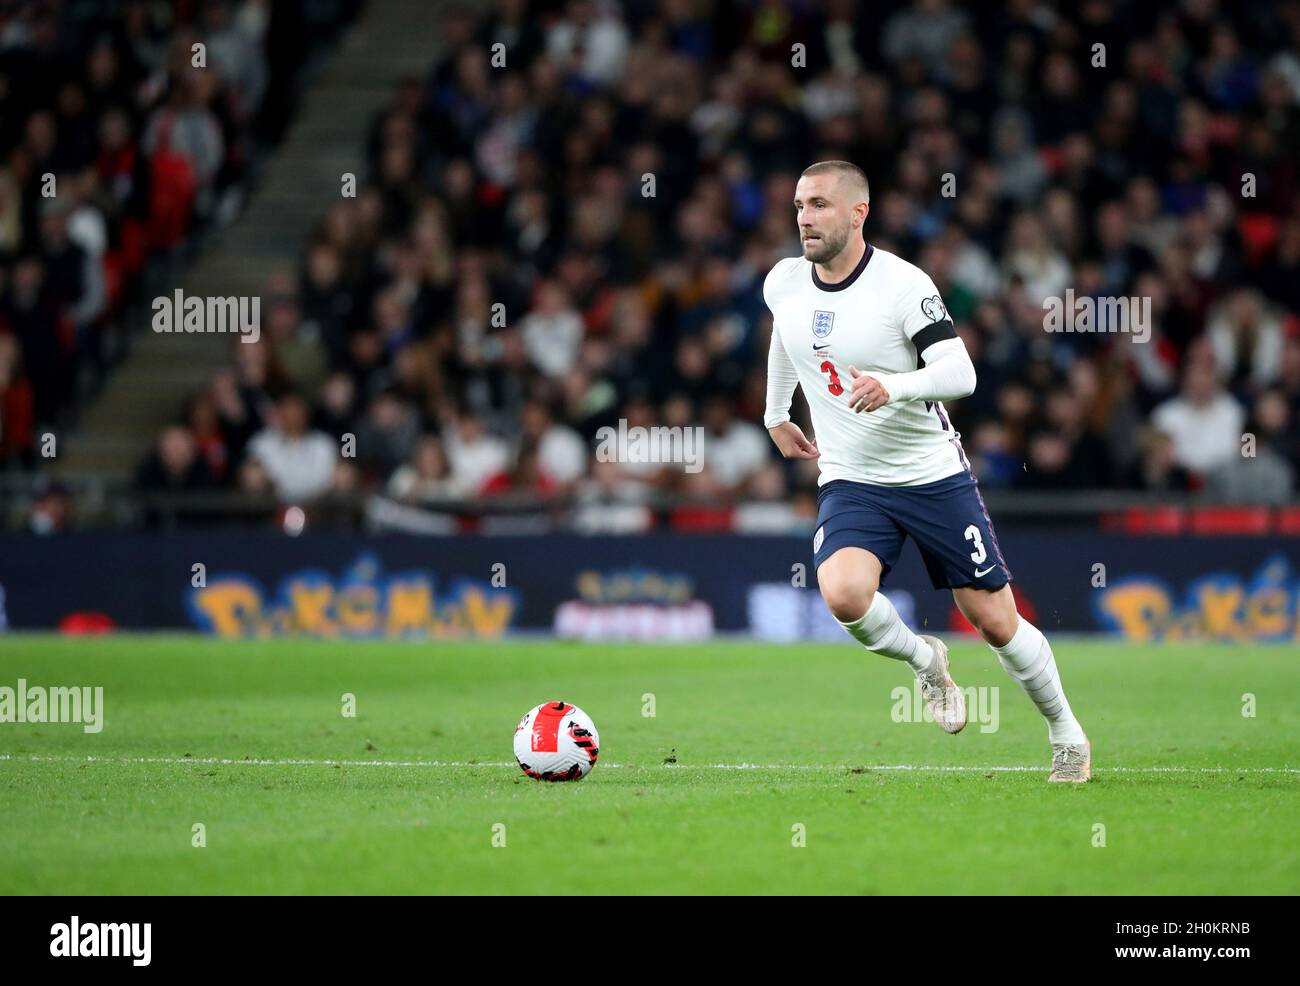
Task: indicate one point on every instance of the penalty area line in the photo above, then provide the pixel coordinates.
(895, 767)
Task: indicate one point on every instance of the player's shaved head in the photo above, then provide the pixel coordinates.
(831, 203)
(852, 178)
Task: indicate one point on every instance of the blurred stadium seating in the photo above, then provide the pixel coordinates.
(502, 286)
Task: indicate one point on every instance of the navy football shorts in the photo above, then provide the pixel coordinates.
(946, 518)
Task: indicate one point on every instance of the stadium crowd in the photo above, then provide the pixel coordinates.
(117, 148)
(573, 228)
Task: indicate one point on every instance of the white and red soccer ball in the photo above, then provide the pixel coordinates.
(556, 741)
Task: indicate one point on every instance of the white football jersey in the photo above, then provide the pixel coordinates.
(878, 320)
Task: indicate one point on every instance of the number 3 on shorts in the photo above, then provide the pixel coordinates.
(979, 554)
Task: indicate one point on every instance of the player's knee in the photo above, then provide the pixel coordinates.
(995, 623)
(848, 597)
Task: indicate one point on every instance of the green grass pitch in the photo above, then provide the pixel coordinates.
(406, 797)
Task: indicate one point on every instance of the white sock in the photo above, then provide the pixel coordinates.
(1027, 657)
(880, 629)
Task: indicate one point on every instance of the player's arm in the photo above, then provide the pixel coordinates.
(944, 368)
(948, 375)
(781, 382)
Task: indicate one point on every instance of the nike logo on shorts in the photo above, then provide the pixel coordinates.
(980, 575)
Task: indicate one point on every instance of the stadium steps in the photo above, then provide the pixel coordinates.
(394, 38)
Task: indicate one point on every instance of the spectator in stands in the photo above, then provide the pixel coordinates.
(210, 440)
(335, 412)
(552, 331)
(1289, 381)
(175, 465)
(1279, 275)
(735, 451)
(1035, 262)
(64, 261)
(73, 240)
(298, 464)
(386, 436)
(771, 509)
(475, 454)
(1064, 454)
(184, 146)
(32, 314)
(1204, 421)
(925, 30)
(1262, 474)
(524, 477)
(1247, 341)
(237, 55)
(562, 455)
(236, 416)
(17, 406)
(51, 511)
(1157, 469)
(301, 358)
(326, 301)
(590, 42)
(992, 457)
(426, 477)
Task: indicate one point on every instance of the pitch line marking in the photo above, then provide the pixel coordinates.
(897, 767)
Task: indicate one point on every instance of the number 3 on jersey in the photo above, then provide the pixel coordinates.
(835, 387)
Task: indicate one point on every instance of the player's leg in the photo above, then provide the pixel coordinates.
(849, 581)
(855, 546)
(1026, 656)
(960, 548)
(852, 575)
(951, 526)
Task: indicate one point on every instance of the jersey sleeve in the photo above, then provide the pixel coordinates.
(781, 381)
(921, 314)
(948, 375)
(782, 378)
(944, 370)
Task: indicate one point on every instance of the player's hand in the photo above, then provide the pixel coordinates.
(868, 392)
(790, 440)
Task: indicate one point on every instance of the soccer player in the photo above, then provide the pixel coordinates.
(867, 336)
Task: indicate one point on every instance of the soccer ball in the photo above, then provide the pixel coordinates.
(556, 742)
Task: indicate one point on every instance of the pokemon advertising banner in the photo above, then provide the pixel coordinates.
(249, 585)
(361, 601)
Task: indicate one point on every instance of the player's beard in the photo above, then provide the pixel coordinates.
(828, 247)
